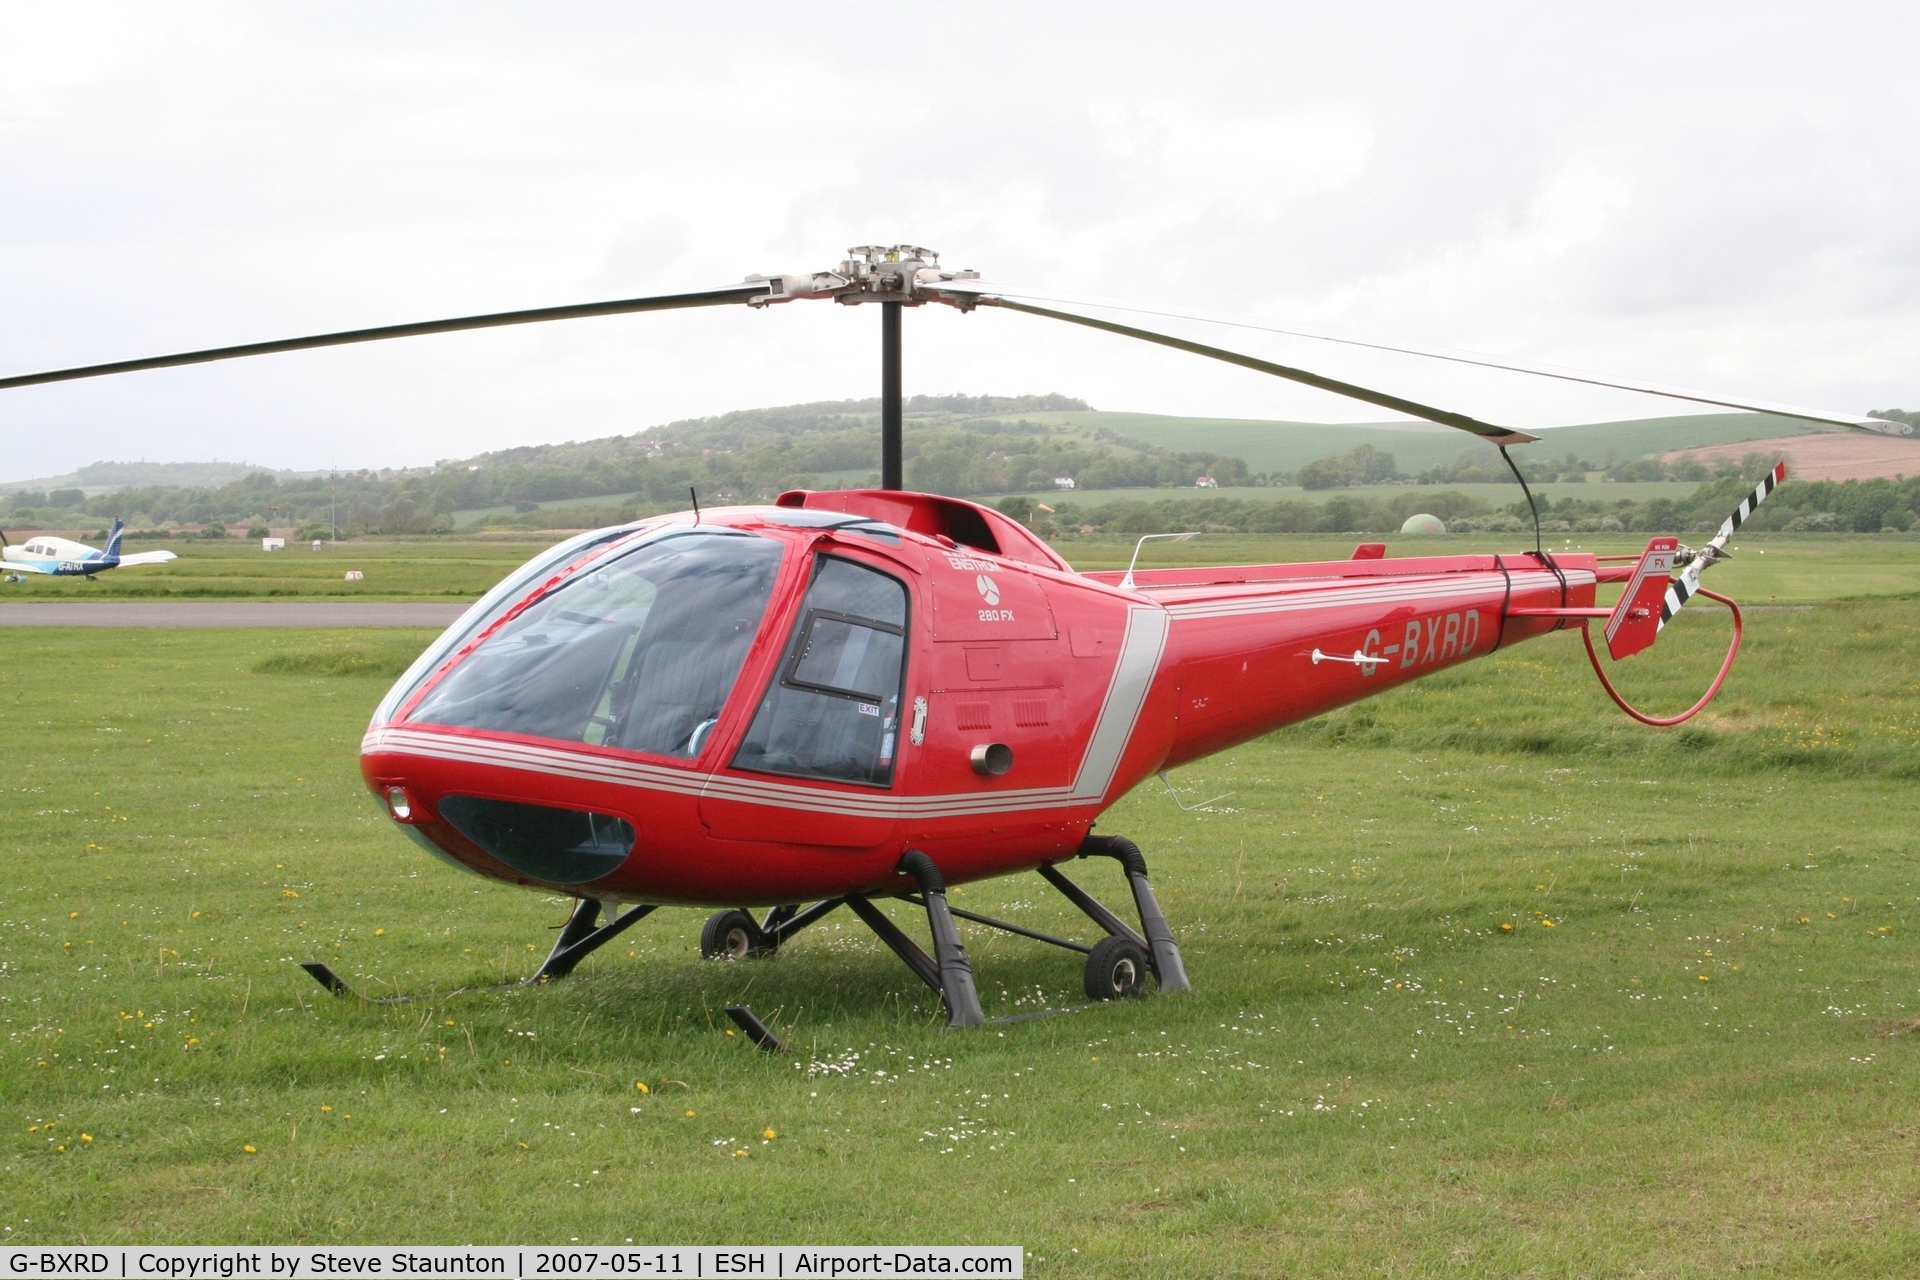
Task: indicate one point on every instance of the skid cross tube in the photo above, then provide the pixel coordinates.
(1095, 911)
(579, 939)
(781, 930)
(991, 923)
(947, 970)
(906, 948)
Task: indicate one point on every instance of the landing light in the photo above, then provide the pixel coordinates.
(400, 804)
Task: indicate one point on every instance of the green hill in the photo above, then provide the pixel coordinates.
(1415, 446)
(968, 446)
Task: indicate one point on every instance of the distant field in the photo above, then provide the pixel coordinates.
(1488, 982)
(1496, 494)
(1845, 455)
(1795, 567)
(236, 568)
(1287, 446)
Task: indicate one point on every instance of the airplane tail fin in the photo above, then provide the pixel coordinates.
(112, 550)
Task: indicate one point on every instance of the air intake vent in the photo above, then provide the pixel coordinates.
(562, 846)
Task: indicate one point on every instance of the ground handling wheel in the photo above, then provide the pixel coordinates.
(1116, 970)
(733, 935)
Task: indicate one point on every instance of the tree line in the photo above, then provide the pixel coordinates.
(1820, 506)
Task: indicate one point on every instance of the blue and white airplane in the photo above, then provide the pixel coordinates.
(60, 558)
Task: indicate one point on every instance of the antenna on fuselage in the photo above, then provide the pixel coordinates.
(1126, 583)
(694, 494)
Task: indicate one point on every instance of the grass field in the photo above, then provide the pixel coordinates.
(1794, 568)
(236, 569)
(1489, 981)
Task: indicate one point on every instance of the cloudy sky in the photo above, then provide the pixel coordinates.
(1704, 194)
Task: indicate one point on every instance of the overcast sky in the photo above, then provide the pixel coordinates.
(1712, 195)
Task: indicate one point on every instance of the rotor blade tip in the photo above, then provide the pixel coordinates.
(1883, 427)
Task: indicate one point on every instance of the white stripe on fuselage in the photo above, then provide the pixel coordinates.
(1133, 674)
(1141, 652)
(1319, 596)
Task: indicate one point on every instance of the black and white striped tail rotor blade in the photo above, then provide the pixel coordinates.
(1682, 588)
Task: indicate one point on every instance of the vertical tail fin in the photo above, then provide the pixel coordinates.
(112, 551)
(1635, 622)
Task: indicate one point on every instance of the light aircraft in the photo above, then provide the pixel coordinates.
(848, 696)
(63, 558)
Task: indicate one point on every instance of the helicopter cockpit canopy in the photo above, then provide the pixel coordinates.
(639, 652)
(638, 647)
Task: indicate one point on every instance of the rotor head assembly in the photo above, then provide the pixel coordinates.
(902, 273)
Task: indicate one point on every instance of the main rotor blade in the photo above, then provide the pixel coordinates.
(1563, 373)
(1485, 430)
(493, 320)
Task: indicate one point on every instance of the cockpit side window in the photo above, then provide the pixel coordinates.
(833, 711)
(640, 653)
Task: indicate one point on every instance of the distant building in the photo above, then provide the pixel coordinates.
(273, 544)
(1206, 482)
(1064, 482)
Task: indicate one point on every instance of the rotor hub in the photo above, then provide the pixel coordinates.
(872, 273)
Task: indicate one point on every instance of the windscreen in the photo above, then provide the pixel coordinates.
(504, 595)
(639, 653)
(833, 711)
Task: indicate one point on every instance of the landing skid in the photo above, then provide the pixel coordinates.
(580, 937)
(1117, 965)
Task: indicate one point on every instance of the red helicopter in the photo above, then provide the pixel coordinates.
(876, 693)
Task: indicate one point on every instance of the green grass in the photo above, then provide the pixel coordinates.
(1793, 569)
(1372, 1077)
(236, 569)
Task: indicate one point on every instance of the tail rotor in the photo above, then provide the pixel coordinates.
(1683, 587)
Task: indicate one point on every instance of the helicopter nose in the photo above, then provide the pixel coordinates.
(560, 846)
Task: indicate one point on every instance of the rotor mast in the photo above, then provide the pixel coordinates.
(890, 275)
(891, 408)
(887, 274)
